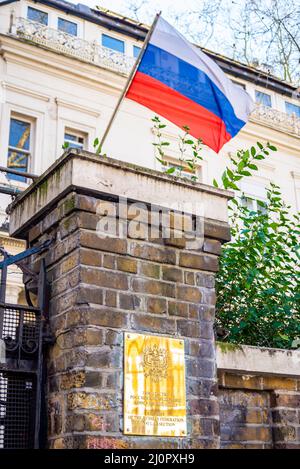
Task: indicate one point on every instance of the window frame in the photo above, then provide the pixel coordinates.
(255, 206)
(60, 17)
(292, 113)
(116, 39)
(39, 10)
(30, 152)
(77, 133)
(133, 49)
(239, 84)
(266, 94)
(186, 172)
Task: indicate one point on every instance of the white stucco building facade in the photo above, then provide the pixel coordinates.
(62, 69)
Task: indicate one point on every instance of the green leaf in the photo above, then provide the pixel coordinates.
(241, 166)
(233, 186)
(261, 203)
(283, 336)
(274, 226)
(230, 174)
(161, 161)
(245, 173)
(235, 202)
(215, 183)
(186, 128)
(225, 180)
(170, 170)
(253, 166)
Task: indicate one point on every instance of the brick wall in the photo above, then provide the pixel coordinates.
(101, 288)
(259, 411)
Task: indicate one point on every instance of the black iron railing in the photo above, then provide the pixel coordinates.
(20, 376)
(17, 409)
(21, 364)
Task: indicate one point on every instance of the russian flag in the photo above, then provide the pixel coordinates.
(179, 82)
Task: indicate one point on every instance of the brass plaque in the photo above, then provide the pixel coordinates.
(154, 382)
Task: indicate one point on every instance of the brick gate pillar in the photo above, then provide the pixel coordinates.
(126, 281)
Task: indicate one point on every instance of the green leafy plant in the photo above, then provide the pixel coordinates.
(159, 143)
(189, 150)
(243, 165)
(65, 146)
(97, 146)
(187, 147)
(258, 285)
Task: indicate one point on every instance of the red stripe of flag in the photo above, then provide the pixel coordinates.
(178, 109)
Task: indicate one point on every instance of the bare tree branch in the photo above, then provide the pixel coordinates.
(264, 33)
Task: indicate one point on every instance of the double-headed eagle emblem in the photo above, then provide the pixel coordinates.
(155, 362)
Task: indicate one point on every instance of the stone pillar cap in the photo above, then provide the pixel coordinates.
(93, 174)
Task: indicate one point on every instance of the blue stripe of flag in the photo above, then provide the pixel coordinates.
(191, 82)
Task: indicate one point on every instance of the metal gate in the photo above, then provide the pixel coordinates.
(22, 334)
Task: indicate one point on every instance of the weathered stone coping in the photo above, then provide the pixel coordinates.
(81, 170)
(258, 360)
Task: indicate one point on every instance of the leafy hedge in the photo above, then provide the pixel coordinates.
(258, 285)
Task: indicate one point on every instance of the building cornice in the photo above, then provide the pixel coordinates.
(121, 25)
(8, 242)
(138, 31)
(17, 51)
(256, 131)
(132, 28)
(76, 107)
(7, 2)
(25, 91)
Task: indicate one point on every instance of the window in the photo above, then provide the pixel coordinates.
(37, 15)
(136, 51)
(292, 109)
(67, 26)
(237, 83)
(113, 43)
(74, 139)
(263, 98)
(18, 147)
(182, 170)
(253, 204)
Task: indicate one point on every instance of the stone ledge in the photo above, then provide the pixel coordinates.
(93, 174)
(258, 360)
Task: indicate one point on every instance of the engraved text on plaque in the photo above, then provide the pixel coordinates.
(154, 395)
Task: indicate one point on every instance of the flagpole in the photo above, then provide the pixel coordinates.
(129, 80)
